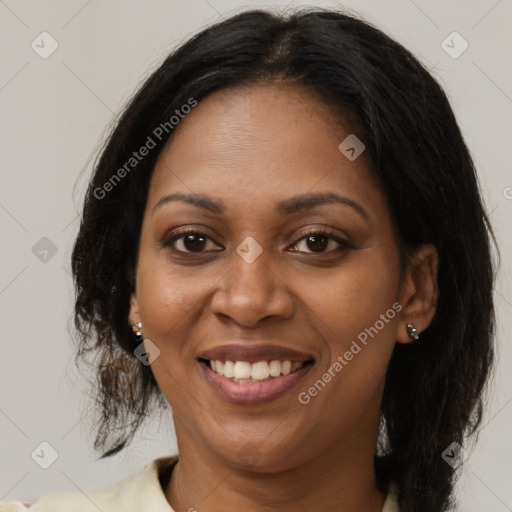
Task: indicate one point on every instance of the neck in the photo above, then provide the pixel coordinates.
(341, 479)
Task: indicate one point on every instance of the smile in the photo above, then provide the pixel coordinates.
(248, 375)
(261, 371)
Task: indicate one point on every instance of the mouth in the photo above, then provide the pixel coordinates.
(251, 375)
(260, 371)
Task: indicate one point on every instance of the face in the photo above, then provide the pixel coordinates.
(287, 266)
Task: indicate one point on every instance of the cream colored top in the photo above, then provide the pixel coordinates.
(140, 493)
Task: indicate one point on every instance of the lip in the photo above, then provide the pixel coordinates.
(253, 354)
(252, 393)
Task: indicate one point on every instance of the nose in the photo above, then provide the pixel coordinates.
(251, 292)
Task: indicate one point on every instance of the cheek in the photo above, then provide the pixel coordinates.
(172, 302)
(164, 296)
(354, 296)
(356, 310)
(167, 300)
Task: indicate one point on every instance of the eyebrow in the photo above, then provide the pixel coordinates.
(288, 206)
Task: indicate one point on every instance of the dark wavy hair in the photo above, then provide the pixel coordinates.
(434, 389)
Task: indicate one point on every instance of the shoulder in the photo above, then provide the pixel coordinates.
(391, 503)
(131, 494)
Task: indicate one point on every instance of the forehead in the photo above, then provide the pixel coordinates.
(254, 145)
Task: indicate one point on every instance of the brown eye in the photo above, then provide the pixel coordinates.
(317, 243)
(190, 241)
(320, 242)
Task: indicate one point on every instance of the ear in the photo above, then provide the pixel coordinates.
(134, 313)
(419, 291)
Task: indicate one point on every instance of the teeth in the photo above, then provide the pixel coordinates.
(229, 369)
(243, 371)
(296, 365)
(275, 368)
(260, 370)
(219, 367)
(286, 367)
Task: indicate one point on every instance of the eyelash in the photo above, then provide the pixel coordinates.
(343, 244)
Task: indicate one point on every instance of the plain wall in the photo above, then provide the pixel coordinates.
(53, 113)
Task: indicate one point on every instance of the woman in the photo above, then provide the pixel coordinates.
(283, 239)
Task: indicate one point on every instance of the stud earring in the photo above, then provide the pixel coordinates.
(138, 326)
(412, 331)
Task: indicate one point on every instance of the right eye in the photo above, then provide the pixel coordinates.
(189, 241)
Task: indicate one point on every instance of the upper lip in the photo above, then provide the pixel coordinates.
(253, 353)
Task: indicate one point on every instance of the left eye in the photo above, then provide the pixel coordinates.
(319, 242)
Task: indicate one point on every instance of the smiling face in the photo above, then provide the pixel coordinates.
(261, 238)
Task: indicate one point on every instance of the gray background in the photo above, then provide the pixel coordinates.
(53, 113)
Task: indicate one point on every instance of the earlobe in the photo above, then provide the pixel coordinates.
(134, 313)
(419, 294)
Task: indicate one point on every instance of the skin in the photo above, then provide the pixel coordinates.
(251, 148)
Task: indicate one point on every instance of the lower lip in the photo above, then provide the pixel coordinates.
(252, 393)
